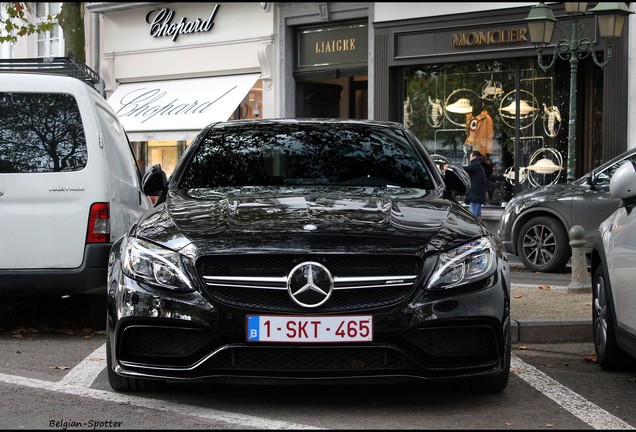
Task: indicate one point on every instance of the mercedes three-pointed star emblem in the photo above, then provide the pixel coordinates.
(309, 284)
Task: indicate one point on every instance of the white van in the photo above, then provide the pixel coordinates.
(69, 187)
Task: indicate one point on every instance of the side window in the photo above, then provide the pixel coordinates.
(40, 133)
(603, 178)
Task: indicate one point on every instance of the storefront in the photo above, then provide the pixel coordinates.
(453, 77)
(171, 69)
(325, 59)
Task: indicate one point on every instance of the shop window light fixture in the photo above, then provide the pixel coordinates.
(574, 47)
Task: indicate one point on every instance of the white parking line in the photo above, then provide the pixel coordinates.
(577, 405)
(84, 374)
(78, 381)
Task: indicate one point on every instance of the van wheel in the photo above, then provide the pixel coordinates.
(97, 305)
(543, 245)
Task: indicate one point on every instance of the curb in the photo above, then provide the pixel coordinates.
(551, 331)
(561, 330)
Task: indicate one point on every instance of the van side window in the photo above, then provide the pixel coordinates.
(41, 133)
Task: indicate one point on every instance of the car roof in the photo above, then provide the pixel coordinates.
(306, 121)
(27, 82)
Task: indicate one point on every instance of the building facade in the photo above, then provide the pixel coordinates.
(450, 71)
(169, 69)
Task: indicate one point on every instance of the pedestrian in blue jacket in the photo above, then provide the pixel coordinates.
(476, 194)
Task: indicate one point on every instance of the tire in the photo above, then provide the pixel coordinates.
(543, 245)
(124, 384)
(608, 355)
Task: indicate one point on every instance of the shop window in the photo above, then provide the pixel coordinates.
(165, 153)
(457, 108)
(252, 105)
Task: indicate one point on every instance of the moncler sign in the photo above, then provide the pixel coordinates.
(161, 23)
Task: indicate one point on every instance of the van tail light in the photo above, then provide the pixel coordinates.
(98, 224)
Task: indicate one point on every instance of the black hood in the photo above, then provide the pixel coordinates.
(365, 218)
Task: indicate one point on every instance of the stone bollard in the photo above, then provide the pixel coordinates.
(580, 276)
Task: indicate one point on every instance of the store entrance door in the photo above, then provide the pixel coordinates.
(333, 98)
(319, 100)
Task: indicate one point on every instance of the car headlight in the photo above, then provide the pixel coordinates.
(464, 264)
(155, 265)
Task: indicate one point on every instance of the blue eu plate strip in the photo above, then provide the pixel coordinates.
(253, 323)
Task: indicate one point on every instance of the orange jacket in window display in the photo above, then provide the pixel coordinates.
(480, 132)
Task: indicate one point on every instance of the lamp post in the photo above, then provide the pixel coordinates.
(574, 47)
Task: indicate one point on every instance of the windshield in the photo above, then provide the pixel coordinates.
(305, 154)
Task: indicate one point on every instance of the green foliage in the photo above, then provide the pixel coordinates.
(16, 21)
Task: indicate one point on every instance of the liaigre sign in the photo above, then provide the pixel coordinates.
(165, 23)
(333, 46)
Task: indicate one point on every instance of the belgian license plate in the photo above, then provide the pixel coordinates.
(304, 329)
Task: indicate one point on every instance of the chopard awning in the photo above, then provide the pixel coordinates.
(178, 109)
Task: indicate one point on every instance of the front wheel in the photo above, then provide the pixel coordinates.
(543, 245)
(608, 355)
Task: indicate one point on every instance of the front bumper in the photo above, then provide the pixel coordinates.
(186, 337)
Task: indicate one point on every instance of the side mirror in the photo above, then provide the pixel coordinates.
(590, 179)
(457, 179)
(154, 181)
(623, 183)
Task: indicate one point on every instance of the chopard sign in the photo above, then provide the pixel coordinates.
(160, 21)
(152, 101)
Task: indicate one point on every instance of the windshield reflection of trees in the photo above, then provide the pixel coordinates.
(41, 133)
(270, 155)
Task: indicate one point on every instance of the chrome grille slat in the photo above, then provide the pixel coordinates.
(259, 282)
(280, 283)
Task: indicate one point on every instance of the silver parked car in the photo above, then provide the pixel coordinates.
(535, 224)
(613, 274)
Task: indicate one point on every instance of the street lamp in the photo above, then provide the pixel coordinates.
(541, 23)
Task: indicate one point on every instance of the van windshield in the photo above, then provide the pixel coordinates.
(40, 133)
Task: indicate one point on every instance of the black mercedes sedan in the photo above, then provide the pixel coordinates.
(306, 250)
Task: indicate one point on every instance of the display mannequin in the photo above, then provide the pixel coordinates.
(479, 130)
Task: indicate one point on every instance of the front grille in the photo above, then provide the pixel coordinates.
(311, 359)
(259, 282)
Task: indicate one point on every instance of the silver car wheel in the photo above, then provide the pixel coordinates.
(600, 315)
(543, 245)
(539, 245)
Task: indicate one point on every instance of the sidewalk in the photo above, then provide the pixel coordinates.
(532, 320)
(528, 327)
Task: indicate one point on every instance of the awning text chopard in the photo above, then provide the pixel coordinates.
(147, 103)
